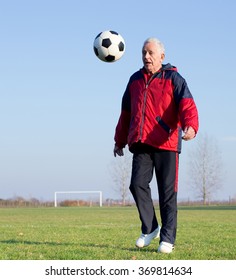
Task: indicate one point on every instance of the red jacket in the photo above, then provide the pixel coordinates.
(155, 111)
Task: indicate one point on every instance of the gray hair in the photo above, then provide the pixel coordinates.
(158, 43)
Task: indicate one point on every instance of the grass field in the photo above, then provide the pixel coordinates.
(110, 233)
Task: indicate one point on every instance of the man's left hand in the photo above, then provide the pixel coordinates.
(189, 133)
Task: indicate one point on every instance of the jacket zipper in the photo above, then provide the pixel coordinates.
(144, 103)
(143, 112)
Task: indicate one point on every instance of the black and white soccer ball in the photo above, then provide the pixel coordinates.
(109, 46)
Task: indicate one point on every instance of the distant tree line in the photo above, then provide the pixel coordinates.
(22, 202)
(109, 202)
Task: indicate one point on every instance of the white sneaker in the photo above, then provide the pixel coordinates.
(165, 247)
(145, 239)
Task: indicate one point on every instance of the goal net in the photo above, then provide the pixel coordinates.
(78, 198)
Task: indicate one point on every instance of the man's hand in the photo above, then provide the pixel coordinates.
(118, 151)
(189, 133)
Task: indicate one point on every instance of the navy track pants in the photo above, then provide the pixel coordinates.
(165, 164)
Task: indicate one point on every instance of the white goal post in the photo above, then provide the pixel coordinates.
(77, 192)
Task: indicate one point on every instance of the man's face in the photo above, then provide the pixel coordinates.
(152, 57)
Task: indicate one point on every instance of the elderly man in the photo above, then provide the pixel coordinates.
(156, 107)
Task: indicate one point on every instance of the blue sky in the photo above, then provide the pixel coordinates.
(60, 104)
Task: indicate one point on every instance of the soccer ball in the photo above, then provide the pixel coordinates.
(109, 46)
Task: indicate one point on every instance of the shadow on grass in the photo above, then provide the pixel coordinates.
(13, 241)
(89, 245)
(133, 249)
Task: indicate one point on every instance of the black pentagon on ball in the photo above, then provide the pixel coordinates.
(98, 35)
(121, 46)
(95, 50)
(110, 58)
(114, 32)
(106, 43)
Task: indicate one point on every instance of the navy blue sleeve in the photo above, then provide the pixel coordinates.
(181, 89)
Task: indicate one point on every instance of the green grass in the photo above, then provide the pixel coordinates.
(110, 234)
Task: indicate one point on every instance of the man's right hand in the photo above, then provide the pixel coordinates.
(118, 151)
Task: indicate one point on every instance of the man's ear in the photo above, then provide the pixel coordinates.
(162, 56)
